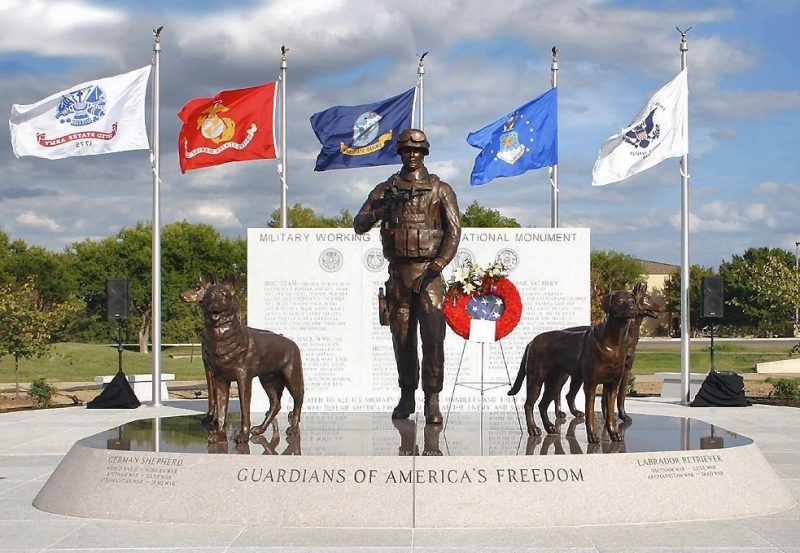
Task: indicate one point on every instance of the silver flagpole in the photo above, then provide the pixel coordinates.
(156, 285)
(421, 87)
(554, 168)
(283, 164)
(685, 309)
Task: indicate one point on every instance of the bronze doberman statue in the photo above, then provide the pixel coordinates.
(235, 352)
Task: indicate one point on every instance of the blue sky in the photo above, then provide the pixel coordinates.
(485, 60)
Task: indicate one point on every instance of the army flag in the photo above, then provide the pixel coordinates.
(95, 117)
(362, 136)
(525, 139)
(234, 125)
(660, 131)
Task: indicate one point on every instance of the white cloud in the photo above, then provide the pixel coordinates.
(60, 28)
(33, 220)
(214, 214)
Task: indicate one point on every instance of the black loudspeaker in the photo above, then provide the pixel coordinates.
(712, 296)
(117, 299)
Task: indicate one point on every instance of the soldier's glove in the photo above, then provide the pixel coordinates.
(435, 267)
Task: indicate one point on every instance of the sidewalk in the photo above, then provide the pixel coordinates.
(32, 443)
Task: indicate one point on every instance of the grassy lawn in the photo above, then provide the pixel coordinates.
(658, 357)
(71, 362)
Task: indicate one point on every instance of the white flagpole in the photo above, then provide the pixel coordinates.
(685, 309)
(156, 284)
(421, 89)
(283, 163)
(554, 168)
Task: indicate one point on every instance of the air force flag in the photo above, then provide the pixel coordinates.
(526, 138)
(362, 136)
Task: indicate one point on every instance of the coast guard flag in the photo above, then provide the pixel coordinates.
(95, 117)
(660, 131)
(526, 138)
(234, 125)
(362, 136)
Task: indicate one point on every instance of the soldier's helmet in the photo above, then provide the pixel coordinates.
(413, 138)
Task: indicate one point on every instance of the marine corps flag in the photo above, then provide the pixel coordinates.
(234, 125)
(362, 136)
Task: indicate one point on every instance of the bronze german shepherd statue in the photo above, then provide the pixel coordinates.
(235, 352)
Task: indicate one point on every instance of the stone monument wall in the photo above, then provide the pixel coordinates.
(320, 286)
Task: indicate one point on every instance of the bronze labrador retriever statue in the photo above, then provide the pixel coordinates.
(602, 360)
(552, 357)
(237, 352)
(646, 306)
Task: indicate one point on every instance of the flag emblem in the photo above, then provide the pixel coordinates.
(365, 130)
(510, 148)
(215, 128)
(82, 107)
(643, 133)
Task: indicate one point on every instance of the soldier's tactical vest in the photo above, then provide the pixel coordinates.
(414, 229)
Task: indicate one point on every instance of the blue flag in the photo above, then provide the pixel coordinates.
(362, 136)
(526, 138)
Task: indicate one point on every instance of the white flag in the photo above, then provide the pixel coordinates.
(660, 131)
(95, 117)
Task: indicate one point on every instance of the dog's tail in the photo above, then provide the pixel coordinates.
(522, 369)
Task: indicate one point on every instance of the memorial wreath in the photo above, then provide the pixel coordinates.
(476, 293)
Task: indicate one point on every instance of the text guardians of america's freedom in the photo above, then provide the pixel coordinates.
(319, 287)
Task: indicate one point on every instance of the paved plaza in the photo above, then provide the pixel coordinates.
(32, 443)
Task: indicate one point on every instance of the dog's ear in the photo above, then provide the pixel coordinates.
(211, 278)
(231, 281)
(607, 302)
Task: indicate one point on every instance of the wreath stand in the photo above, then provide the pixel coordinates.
(481, 332)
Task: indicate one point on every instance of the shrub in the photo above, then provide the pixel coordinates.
(632, 385)
(786, 388)
(41, 393)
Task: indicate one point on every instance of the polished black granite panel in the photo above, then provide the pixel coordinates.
(376, 434)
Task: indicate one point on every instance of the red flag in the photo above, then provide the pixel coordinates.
(234, 125)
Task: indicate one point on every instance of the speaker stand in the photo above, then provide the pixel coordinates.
(119, 342)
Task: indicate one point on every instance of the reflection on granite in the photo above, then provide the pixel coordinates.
(376, 434)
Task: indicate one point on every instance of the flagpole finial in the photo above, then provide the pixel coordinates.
(157, 33)
(684, 43)
(284, 51)
(555, 54)
(422, 58)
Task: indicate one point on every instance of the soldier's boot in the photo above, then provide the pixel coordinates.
(432, 413)
(406, 404)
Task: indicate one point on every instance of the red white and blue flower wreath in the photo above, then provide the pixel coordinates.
(475, 293)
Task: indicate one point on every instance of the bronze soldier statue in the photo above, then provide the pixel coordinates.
(420, 230)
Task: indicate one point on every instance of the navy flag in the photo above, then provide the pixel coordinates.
(526, 138)
(362, 136)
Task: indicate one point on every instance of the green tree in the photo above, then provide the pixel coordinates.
(126, 255)
(672, 292)
(611, 271)
(762, 290)
(483, 217)
(189, 251)
(300, 216)
(25, 327)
